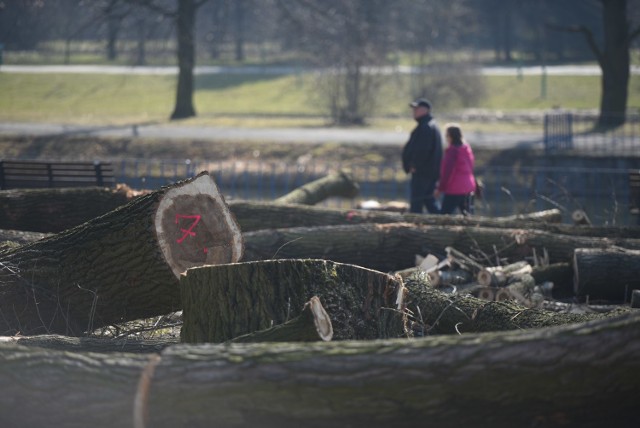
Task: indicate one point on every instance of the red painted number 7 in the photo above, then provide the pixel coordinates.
(189, 231)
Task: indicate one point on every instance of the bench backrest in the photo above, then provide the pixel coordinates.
(16, 174)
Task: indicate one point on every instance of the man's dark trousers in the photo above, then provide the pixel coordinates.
(422, 189)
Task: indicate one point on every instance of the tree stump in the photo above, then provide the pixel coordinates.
(120, 266)
(226, 301)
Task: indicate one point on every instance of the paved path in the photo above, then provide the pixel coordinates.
(552, 70)
(283, 135)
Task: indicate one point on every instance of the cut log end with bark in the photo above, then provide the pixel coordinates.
(120, 266)
(217, 239)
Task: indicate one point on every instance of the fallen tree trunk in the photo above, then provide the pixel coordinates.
(339, 184)
(120, 266)
(267, 215)
(58, 209)
(392, 247)
(499, 378)
(606, 273)
(226, 301)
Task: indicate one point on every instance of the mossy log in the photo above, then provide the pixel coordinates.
(606, 273)
(120, 266)
(254, 215)
(585, 375)
(225, 301)
(392, 247)
(56, 209)
(338, 184)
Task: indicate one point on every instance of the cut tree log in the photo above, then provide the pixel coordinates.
(392, 247)
(581, 218)
(56, 209)
(498, 276)
(606, 273)
(339, 184)
(225, 301)
(585, 375)
(120, 266)
(252, 215)
(560, 274)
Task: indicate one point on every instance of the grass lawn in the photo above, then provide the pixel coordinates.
(258, 100)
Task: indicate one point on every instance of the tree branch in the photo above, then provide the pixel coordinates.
(150, 4)
(588, 34)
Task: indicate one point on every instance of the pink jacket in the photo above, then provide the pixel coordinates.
(456, 171)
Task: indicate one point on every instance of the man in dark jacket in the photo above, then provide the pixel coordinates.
(421, 158)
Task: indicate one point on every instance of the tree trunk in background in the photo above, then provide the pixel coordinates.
(117, 267)
(391, 247)
(223, 302)
(54, 210)
(560, 376)
(614, 61)
(185, 21)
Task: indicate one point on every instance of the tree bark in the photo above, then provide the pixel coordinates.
(226, 301)
(185, 23)
(54, 210)
(499, 378)
(339, 184)
(606, 273)
(392, 247)
(313, 324)
(19, 237)
(120, 266)
(89, 344)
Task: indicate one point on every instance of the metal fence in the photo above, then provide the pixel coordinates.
(569, 132)
(604, 194)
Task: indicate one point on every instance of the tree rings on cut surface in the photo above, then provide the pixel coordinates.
(195, 227)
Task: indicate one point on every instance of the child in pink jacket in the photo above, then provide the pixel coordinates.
(457, 182)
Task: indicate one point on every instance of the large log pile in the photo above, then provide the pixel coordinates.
(311, 274)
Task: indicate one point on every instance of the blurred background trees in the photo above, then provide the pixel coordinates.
(357, 42)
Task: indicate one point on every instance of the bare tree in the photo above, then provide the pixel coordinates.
(185, 16)
(349, 38)
(613, 57)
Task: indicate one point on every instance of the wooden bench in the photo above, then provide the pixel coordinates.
(18, 174)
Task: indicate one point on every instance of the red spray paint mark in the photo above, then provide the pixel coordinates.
(189, 231)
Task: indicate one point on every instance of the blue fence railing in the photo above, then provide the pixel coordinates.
(605, 194)
(579, 133)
